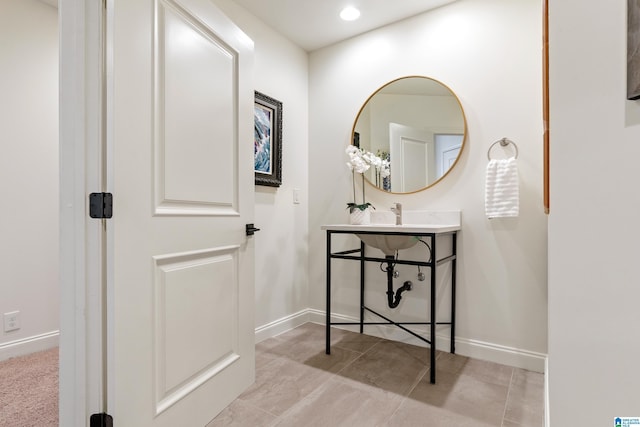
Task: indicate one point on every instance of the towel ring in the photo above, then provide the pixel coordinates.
(503, 143)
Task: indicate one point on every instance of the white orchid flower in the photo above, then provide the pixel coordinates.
(351, 150)
(358, 160)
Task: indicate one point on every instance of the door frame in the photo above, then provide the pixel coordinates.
(82, 131)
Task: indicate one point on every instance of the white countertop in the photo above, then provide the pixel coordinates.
(392, 228)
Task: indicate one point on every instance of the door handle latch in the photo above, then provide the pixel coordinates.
(250, 229)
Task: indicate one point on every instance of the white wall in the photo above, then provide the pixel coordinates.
(29, 174)
(594, 320)
(489, 53)
(281, 72)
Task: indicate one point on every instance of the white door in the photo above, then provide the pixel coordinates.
(447, 148)
(412, 158)
(181, 269)
(449, 157)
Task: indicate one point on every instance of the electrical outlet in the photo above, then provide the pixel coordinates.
(11, 321)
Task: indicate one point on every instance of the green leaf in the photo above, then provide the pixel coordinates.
(353, 206)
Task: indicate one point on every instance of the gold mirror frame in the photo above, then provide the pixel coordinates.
(462, 125)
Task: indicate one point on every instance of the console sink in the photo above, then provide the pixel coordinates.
(384, 234)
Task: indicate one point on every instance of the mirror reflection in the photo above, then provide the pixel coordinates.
(417, 124)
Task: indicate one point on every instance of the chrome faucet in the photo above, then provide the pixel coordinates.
(397, 209)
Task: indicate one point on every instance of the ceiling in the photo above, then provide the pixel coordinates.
(312, 24)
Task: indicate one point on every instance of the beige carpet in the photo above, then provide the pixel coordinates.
(29, 390)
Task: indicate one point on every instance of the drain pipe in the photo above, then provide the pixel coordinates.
(393, 298)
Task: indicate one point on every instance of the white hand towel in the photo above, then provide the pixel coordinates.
(502, 197)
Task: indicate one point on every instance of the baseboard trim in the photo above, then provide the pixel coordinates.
(497, 353)
(282, 325)
(29, 345)
(516, 357)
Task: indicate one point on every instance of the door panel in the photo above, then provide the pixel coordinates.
(181, 268)
(411, 150)
(194, 101)
(187, 285)
(414, 158)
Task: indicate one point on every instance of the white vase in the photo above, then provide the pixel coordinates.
(358, 217)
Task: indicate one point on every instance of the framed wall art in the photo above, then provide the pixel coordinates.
(267, 140)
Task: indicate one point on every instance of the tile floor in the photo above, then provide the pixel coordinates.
(368, 381)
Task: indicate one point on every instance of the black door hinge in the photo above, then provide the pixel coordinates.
(101, 420)
(100, 205)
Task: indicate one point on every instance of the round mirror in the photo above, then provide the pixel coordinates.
(415, 123)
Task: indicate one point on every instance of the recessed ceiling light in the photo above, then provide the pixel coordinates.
(350, 13)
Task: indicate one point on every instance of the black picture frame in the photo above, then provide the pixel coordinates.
(633, 49)
(356, 139)
(267, 140)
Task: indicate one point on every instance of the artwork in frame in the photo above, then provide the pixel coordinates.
(633, 49)
(267, 140)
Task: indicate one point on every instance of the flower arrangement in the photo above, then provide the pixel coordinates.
(359, 162)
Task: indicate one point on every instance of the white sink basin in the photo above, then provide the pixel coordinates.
(412, 222)
(388, 243)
